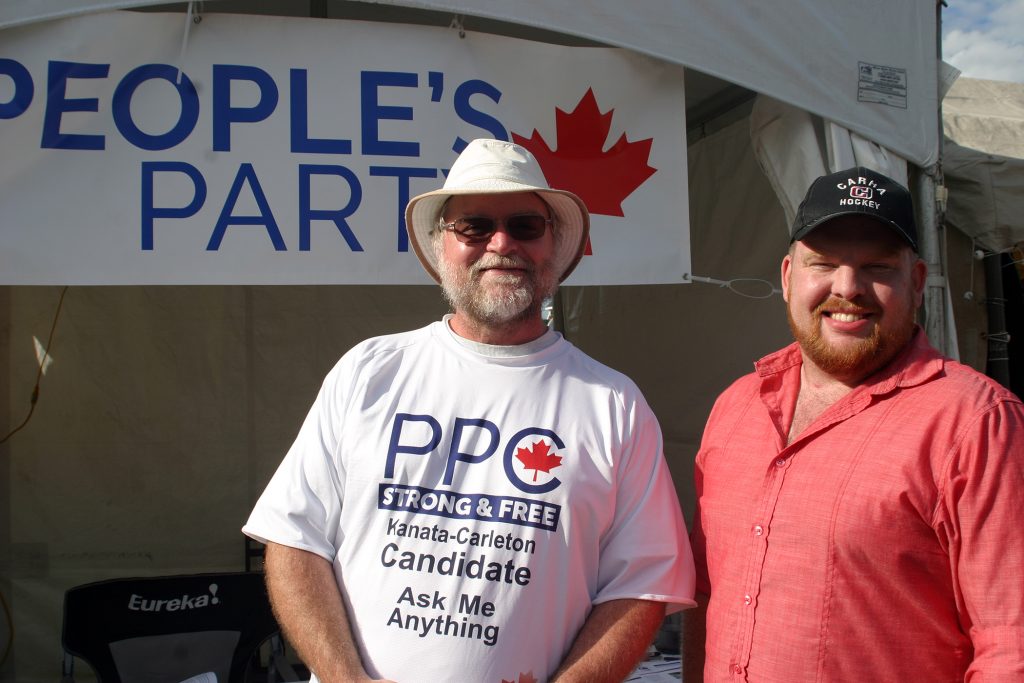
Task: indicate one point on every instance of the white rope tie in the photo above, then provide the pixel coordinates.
(762, 289)
(184, 39)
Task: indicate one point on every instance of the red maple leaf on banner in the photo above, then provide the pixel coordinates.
(538, 458)
(601, 178)
(523, 678)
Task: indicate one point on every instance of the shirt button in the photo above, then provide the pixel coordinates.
(780, 462)
(746, 599)
(758, 530)
(737, 669)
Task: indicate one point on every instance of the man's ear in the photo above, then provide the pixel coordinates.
(918, 278)
(787, 267)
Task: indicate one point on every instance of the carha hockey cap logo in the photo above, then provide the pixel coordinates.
(857, 191)
(863, 192)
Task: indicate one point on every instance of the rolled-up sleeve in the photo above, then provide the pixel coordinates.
(979, 520)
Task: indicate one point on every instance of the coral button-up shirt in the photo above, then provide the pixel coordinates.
(884, 544)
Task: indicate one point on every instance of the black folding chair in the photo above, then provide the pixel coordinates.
(167, 629)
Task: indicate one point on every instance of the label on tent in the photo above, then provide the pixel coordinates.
(882, 85)
(139, 149)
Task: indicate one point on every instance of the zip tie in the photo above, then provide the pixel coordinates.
(456, 23)
(184, 39)
(731, 284)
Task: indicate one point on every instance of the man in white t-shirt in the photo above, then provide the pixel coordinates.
(477, 500)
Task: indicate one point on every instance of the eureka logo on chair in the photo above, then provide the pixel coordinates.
(137, 603)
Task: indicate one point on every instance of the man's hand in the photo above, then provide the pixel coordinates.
(612, 641)
(308, 605)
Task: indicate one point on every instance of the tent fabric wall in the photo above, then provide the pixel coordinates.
(986, 196)
(794, 147)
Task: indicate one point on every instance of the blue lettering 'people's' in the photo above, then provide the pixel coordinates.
(476, 117)
(301, 142)
(122, 101)
(57, 104)
(224, 114)
(373, 112)
(23, 91)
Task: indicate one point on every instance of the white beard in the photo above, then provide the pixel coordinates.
(496, 300)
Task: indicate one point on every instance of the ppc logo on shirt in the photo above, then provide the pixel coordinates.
(538, 458)
(527, 457)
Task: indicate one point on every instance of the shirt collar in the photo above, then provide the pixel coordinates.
(549, 338)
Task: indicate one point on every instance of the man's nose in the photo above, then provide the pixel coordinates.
(847, 283)
(501, 242)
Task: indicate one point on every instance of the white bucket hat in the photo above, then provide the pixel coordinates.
(496, 167)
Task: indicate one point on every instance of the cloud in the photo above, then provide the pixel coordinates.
(985, 39)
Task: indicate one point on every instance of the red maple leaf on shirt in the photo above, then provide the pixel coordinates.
(580, 164)
(523, 678)
(538, 458)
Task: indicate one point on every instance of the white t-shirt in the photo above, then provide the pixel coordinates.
(475, 506)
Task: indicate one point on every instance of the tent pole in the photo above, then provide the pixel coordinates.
(6, 560)
(998, 365)
(929, 194)
(935, 292)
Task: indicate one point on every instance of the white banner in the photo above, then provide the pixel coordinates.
(262, 150)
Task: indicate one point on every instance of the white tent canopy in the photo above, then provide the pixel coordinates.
(984, 161)
(985, 115)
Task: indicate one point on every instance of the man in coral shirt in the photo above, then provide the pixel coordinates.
(858, 495)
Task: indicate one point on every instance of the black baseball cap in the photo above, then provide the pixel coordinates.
(856, 191)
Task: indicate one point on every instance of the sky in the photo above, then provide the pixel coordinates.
(985, 38)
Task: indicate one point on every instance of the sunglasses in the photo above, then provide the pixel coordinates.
(522, 227)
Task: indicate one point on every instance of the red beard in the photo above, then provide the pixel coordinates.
(863, 357)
